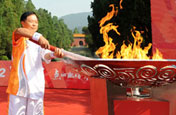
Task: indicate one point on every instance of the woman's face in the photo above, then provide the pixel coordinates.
(31, 22)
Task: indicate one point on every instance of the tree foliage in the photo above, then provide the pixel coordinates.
(88, 37)
(50, 26)
(30, 6)
(134, 13)
(75, 31)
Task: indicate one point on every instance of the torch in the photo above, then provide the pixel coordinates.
(70, 55)
(67, 54)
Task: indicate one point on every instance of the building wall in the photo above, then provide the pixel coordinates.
(79, 40)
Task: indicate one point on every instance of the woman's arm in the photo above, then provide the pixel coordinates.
(24, 32)
(32, 35)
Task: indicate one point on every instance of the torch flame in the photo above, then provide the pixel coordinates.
(121, 4)
(132, 51)
(108, 16)
(157, 55)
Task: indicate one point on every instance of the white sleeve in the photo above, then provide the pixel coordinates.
(43, 52)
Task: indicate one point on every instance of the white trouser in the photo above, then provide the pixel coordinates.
(25, 106)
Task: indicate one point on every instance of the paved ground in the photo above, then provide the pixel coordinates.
(58, 102)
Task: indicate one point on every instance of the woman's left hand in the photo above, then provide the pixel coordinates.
(58, 53)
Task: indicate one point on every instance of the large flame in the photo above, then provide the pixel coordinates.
(132, 51)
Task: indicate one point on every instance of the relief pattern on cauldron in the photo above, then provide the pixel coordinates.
(148, 75)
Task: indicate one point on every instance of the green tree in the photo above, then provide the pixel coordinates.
(8, 24)
(54, 29)
(2, 50)
(88, 38)
(30, 6)
(66, 36)
(85, 30)
(75, 30)
(20, 5)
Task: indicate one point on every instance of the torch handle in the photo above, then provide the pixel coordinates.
(52, 48)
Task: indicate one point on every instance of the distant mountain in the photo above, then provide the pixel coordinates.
(77, 20)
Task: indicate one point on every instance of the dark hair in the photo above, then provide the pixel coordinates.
(26, 14)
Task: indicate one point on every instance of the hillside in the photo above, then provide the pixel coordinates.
(77, 20)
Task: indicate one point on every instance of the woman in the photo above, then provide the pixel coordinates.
(26, 82)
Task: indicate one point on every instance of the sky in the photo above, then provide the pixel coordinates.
(63, 7)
